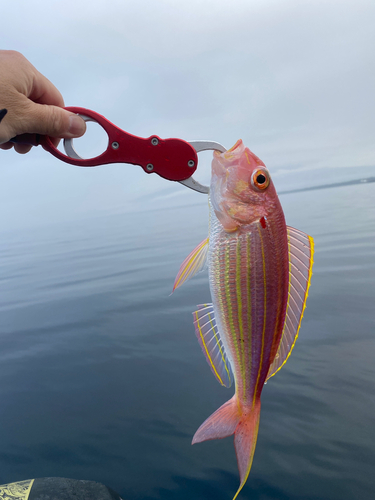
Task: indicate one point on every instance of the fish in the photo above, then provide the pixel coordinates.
(259, 275)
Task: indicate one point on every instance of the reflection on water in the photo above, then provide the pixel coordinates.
(101, 377)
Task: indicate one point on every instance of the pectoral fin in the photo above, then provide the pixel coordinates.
(193, 263)
(209, 339)
(301, 251)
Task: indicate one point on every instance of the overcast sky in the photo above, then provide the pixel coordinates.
(294, 79)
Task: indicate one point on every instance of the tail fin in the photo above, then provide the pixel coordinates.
(230, 419)
(220, 424)
(245, 439)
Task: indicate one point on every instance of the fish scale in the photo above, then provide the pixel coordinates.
(238, 290)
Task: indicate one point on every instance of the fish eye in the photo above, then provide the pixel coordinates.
(260, 179)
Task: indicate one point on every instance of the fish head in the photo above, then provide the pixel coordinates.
(241, 190)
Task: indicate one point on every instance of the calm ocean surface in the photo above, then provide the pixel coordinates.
(101, 376)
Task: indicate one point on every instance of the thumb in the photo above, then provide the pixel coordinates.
(53, 121)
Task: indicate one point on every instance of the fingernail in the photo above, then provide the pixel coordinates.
(77, 126)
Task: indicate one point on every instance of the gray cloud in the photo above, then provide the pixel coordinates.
(295, 80)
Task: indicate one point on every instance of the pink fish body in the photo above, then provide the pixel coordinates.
(259, 274)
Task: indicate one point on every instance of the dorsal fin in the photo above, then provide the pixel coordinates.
(209, 339)
(301, 251)
(193, 263)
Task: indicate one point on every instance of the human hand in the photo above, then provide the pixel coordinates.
(29, 103)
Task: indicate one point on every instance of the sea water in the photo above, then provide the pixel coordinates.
(101, 376)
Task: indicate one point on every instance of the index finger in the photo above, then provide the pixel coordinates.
(44, 92)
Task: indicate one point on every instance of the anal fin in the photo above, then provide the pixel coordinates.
(212, 346)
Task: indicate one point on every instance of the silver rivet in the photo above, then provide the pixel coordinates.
(154, 141)
(191, 163)
(115, 145)
(150, 167)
